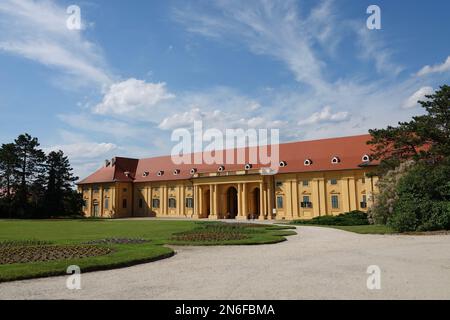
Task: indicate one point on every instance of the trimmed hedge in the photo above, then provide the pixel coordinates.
(352, 218)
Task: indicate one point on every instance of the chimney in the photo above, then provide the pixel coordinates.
(107, 163)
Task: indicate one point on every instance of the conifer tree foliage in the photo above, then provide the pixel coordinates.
(34, 185)
(8, 163)
(29, 174)
(425, 137)
(59, 181)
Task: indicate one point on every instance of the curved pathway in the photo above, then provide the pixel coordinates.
(318, 263)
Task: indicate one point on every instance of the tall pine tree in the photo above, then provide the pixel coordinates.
(59, 183)
(8, 162)
(28, 175)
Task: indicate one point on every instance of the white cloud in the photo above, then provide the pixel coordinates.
(84, 150)
(263, 123)
(272, 28)
(420, 94)
(114, 128)
(132, 96)
(373, 48)
(186, 119)
(36, 30)
(439, 68)
(325, 116)
(217, 119)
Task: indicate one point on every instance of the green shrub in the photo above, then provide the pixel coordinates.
(353, 218)
(386, 199)
(423, 202)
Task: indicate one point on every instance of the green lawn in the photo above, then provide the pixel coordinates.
(158, 233)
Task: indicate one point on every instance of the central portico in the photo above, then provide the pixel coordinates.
(233, 198)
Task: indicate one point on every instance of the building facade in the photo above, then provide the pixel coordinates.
(314, 178)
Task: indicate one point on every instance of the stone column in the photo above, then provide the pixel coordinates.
(101, 202)
(295, 200)
(164, 201)
(196, 203)
(240, 214)
(149, 201)
(354, 196)
(323, 196)
(261, 201)
(200, 202)
(183, 200)
(270, 198)
(345, 195)
(216, 200)
(212, 201)
(244, 201)
(91, 201)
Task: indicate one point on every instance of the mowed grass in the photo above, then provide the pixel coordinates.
(159, 233)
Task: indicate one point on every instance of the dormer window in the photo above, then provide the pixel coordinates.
(145, 174)
(221, 169)
(335, 160)
(307, 162)
(366, 158)
(127, 173)
(248, 166)
(283, 164)
(160, 173)
(193, 171)
(176, 172)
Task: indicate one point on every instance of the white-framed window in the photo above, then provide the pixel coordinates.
(280, 202)
(335, 201)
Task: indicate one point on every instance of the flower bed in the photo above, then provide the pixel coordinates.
(118, 241)
(24, 254)
(20, 243)
(211, 233)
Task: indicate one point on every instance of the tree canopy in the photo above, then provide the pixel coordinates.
(33, 184)
(425, 137)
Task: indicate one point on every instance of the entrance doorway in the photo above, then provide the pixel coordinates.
(206, 203)
(256, 203)
(232, 203)
(95, 209)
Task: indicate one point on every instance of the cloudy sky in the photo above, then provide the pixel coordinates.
(137, 70)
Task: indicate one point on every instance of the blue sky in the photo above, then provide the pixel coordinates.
(139, 69)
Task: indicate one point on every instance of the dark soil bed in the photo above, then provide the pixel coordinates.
(23, 254)
(118, 241)
(209, 235)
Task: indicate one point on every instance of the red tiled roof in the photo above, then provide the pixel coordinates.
(349, 150)
(114, 172)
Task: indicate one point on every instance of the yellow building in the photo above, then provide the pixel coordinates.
(315, 178)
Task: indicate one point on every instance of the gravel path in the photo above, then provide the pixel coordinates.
(318, 263)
